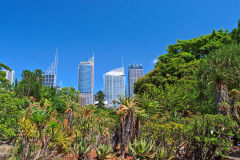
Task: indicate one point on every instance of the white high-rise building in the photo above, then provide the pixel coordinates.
(10, 75)
(114, 85)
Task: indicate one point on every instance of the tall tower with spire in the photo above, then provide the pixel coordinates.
(51, 73)
(86, 80)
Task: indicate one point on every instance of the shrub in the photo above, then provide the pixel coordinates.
(104, 152)
(209, 136)
(82, 149)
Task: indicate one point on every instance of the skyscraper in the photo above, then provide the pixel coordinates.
(51, 73)
(134, 72)
(10, 75)
(86, 80)
(114, 85)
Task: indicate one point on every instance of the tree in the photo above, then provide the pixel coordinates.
(222, 69)
(99, 97)
(129, 123)
(16, 82)
(181, 60)
(71, 97)
(3, 80)
(31, 84)
(235, 34)
(10, 112)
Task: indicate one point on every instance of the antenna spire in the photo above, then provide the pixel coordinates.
(122, 61)
(56, 57)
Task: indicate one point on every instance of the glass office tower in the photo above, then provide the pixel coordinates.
(134, 72)
(114, 85)
(86, 80)
(50, 76)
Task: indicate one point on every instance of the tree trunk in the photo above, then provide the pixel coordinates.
(221, 93)
(70, 118)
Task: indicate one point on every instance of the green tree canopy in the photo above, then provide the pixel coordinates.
(221, 69)
(31, 84)
(3, 80)
(99, 97)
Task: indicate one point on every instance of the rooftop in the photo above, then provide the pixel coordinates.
(116, 72)
(135, 66)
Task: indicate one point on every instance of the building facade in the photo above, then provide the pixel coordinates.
(134, 72)
(86, 80)
(82, 101)
(114, 85)
(50, 76)
(10, 75)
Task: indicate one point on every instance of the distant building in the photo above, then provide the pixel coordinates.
(114, 85)
(50, 76)
(82, 101)
(134, 72)
(86, 80)
(10, 75)
(58, 88)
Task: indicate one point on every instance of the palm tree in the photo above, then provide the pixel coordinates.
(129, 122)
(222, 68)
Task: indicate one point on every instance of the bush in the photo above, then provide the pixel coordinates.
(209, 136)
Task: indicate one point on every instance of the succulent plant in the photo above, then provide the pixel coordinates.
(161, 153)
(104, 152)
(141, 150)
(82, 149)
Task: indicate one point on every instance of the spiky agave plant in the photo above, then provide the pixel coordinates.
(142, 149)
(104, 152)
(161, 153)
(82, 149)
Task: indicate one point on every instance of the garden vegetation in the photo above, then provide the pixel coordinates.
(187, 107)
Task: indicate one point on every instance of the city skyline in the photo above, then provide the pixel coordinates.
(138, 31)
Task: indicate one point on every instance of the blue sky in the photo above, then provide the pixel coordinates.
(138, 30)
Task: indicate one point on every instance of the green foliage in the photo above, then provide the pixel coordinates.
(99, 97)
(182, 59)
(90, 122)
(208, 136)
(70, 96)
(222, 64)
(82, 149)
(175, 74)
(47, 93)
(38, 115)
(235, 34)
(168, 133)
(104, 152)
(3, 80)
(168, 112)
(201, 46)
(59, 104)
(40, 135)
(10, 112)
(141, 150)
(161, 153)
(31, 84)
